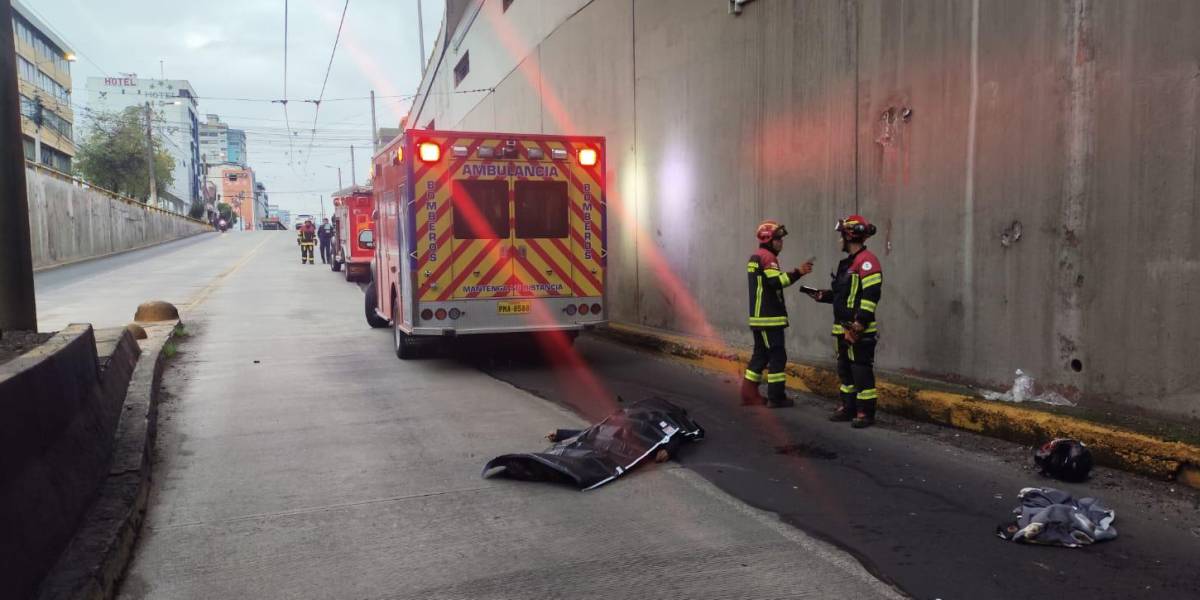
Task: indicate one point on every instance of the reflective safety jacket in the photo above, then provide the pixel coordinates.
(306, 235)
(857, 286)
(767, 308)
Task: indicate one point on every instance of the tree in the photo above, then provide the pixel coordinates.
(113, 155)
(196, 211)
(226, 212)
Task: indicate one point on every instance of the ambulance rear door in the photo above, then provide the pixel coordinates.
(541, 232)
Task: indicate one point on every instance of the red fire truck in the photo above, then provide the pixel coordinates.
(488, 233)
(353, 232)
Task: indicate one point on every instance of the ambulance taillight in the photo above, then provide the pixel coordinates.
(588, 157)
(429, 152)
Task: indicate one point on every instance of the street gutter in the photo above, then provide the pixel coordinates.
(1111, 446)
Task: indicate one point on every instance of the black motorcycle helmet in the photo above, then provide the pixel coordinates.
(1065, 459)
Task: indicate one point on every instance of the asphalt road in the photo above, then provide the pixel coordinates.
(105, 292)
(917, 504)
(300, 458)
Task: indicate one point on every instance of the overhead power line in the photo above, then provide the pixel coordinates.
(328, 69)
(286, 119)
(395, 98)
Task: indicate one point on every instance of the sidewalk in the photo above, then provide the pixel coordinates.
(1133, 443)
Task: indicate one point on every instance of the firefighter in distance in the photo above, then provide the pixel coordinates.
(768, 317)
(306, 237)
(855, 294)
(325, 235)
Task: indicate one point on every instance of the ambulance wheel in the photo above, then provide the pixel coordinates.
(370, 302)
(405, 346)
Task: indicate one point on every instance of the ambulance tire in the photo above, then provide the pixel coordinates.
(404, 344)
(370, 302)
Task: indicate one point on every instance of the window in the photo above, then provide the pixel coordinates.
(504, 6)
(24, 33)
(462, 68)
(26, 70)
(27, 107)
(480, 209)
(541, 209)
(366, 239)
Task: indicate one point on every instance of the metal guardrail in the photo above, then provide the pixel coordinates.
(79, 183)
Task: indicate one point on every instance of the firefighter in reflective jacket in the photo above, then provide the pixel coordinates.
(856, 290)
(768, 317)
(306, 237)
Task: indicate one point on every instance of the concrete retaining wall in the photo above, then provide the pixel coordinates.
(69, 222)
(61, 406)
(952, 124)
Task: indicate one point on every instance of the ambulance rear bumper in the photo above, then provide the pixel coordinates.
(482, 316)
(451, 332)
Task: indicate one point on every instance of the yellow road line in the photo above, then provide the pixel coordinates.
(203, 294)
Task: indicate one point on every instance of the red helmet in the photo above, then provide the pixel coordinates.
(855, 227)
(770, 230)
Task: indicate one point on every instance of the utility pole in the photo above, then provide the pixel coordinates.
(421, 39)
(339, 178)
(39, 117)
(17, 307)
(353, 180)
(374, 128)
(150, 156)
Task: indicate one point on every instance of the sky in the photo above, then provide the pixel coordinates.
(230, 49)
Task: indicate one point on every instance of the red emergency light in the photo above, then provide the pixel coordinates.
(429, 152)
(588, 157)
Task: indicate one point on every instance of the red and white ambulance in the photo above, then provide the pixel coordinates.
(353, 232)
(482, 233)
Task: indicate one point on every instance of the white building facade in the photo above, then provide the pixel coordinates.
(176, 127)
(214, 140)
(481, 44)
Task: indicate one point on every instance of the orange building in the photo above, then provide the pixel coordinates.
(235, 187)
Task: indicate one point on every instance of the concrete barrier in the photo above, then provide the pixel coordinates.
(70, 221)
(1031, 167)
(61, 404)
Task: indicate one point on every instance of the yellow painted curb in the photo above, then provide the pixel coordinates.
(1111, 446)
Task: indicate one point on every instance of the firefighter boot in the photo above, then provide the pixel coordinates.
(865, 416)
(750, 395)
(846, 406)
(843, 413)
(782, 402)
(777, 396)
